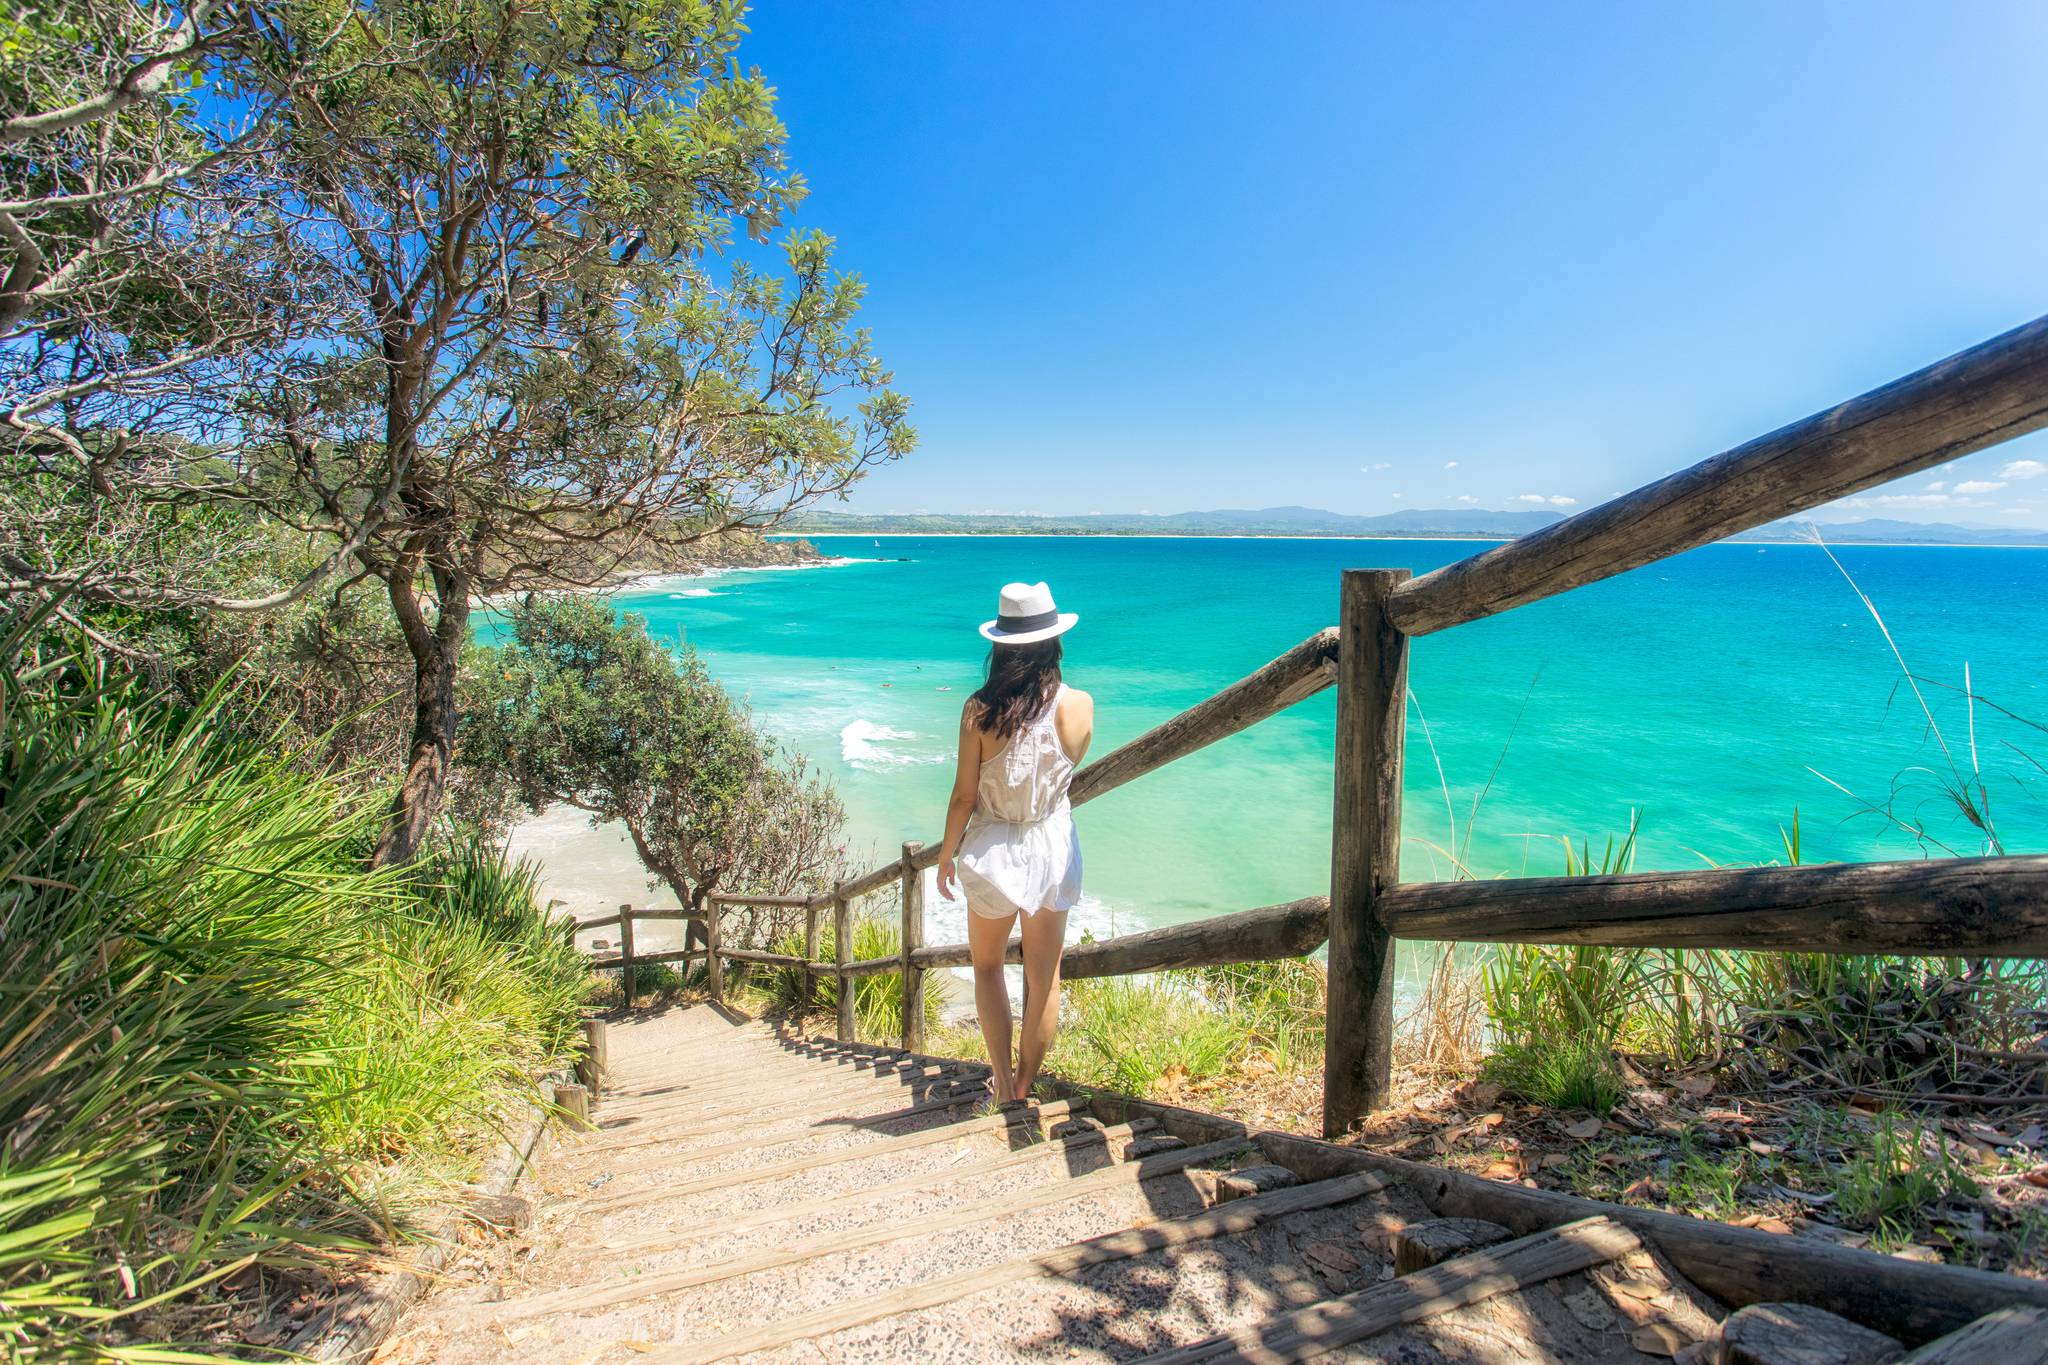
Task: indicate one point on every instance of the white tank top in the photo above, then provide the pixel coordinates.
(1027, 782)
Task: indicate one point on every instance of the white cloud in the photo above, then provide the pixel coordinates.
(1375, 468)
(2016, 511)
(1558, 500)
(1450, 464)
(1397, 495)
(2023, 469)
(1969, 486)
(1937, 485)
(1554, 499)
(1528, 497)
(1466, 497)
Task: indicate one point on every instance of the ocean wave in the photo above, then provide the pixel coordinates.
(870, 747)
(697, 592)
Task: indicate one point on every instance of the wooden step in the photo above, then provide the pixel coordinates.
(771, 1078)
(769, 1090)
(858, 1152)
(867, 1195)
(833, 1112)
(1309, 1332)
(1237, 1216)
(579, 1298)
(2010, 1336)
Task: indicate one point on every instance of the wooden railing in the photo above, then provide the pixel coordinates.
(1987, 907)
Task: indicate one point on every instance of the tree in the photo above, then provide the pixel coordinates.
(582, 707)
(536, 376)
(526, 369)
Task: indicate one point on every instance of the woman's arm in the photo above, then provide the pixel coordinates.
(966, 778)
(1074, 722)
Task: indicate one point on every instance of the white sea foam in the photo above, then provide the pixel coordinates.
(697, 592)
(873, 748)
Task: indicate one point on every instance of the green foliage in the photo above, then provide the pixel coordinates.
(1133, 1033)
(1892, 1184)
(1278, 1007)
(877, 1000)
(1152, 1034)
(1572, 1072)
(581, 706)
(217, 1024)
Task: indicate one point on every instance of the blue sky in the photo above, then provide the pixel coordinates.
(1370, 256)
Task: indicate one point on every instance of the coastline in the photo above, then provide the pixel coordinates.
(638, 580)
(1283, 535)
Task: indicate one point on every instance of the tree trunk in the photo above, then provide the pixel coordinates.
(436, 657)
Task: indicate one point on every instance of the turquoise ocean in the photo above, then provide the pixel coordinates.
(1707, 699)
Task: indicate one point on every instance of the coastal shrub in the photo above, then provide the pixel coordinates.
(582, 706)
(219, 1027)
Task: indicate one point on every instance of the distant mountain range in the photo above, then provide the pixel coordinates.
(1452, 522)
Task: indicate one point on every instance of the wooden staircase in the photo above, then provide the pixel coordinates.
(747, 1193)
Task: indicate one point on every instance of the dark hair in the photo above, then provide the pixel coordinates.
(1021, 682)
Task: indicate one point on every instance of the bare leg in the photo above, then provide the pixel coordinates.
(987, 938)
(1045, 935)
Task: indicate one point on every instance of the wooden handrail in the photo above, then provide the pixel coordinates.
(1975, 398)
(1946, 907)
(1263, 935)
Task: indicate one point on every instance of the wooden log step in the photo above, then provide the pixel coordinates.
(1800, 1334)
(1309, 1332)
(920, 1183)
(2010, 1336)
(767, 1086)
(580, 1298)
(796, 1165)
(1238, 1216)
(941, 1132)
(771, 1063)
(671, 1077)
(684, 1123)
(655, 1137)
(1432, 1241)
(1910, 1300)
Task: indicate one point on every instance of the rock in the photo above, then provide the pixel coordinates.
(1251, 1180)
(1151, 1146)
(499, 1213)
(1420, 1245)
(1797, 1334)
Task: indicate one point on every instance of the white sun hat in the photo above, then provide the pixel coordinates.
(1025, 614)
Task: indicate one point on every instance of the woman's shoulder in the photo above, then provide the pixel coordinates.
(1074, 696)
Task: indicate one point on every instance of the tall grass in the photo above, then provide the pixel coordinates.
(213, 1018)
(877, 1000)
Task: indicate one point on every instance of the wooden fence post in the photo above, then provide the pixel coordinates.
(913, 939)
(842, 953)
(1365, 848)
(812, 936)
(626, 954)
(574, 1102)
(714, 973)
(591, 1066)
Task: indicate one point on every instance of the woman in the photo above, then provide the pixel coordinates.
(1010, 840)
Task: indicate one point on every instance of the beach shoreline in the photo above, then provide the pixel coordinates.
(1237, 535)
